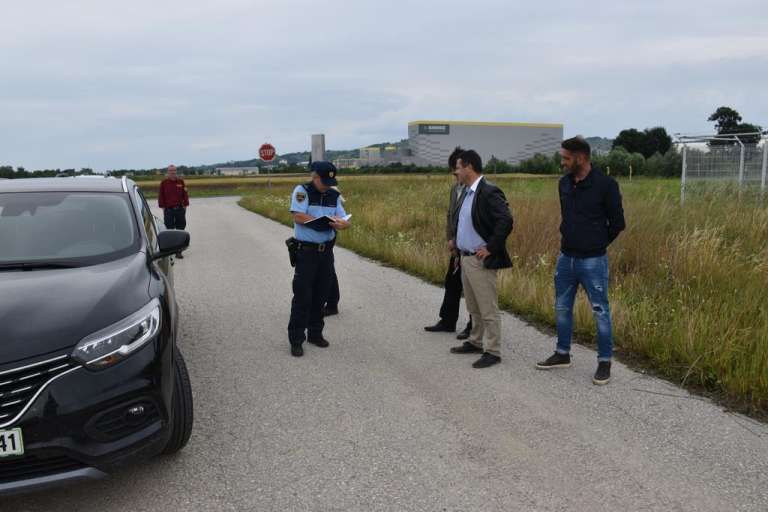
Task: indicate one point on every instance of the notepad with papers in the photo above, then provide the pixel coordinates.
(323, 223)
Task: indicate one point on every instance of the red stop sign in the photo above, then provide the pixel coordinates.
(267, 152)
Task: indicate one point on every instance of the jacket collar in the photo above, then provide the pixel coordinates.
(473, 186)
(586, 182)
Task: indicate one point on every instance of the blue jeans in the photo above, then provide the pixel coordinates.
(592, 275)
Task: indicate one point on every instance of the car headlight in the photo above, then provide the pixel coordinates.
(111, 345)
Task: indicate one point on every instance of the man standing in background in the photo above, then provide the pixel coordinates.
(449, 310)
(592, 218)
(174, 200)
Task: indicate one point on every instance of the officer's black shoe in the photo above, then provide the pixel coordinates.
(466, 348)
(296, 350)
(320, 342)
(464, 335)
(486, 360)
(440, 327)
(330, 311)
(179, 255)
(603, 373)
(556, 360)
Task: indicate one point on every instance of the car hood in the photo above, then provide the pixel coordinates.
(42, 311)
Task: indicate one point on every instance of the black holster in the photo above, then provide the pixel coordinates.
(293, 248)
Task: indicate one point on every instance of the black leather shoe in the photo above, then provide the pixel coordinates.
(464, 335)
(440, 327)
(179, 255)
(466, 348)
(327, 311)
(320, 342)
(486, 360)
(296, 350)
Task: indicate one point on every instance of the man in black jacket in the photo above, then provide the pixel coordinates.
(449, 310)
(592, 218)
(482, 226)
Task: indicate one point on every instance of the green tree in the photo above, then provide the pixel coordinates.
(637, 161)
(654, 166)
(728, 121)
(725, 118)
(631, 140)
(647, 142)
(672, 164)
(657, 140)
(618, 161)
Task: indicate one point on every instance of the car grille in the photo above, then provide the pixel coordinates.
(20, 385)
(28, 466)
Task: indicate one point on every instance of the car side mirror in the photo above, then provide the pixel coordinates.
(171, 242)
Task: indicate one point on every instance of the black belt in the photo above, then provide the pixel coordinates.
(467, 253)
(311, 246)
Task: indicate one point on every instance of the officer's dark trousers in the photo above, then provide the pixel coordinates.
(333, 291)
(449, 311)
(311, 282)
(175, 218)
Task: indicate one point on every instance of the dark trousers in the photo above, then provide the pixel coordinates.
(333, 292)
(311, 282)
(175, 218)
(449, 310)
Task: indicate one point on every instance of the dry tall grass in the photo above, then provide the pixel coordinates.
(688, 284)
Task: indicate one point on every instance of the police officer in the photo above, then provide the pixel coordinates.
(314, 254)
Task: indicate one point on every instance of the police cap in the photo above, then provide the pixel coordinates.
(327, 172)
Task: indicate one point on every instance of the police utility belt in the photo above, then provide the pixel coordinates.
(294, 246)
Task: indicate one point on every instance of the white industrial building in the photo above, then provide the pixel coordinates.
(431, 142)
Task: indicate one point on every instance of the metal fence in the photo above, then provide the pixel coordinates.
(724, 159)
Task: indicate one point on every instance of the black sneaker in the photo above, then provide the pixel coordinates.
(556, 360)
(486, 360)
(330, 311)
(466, 348)
(296, 350)
(464, 335)
(440, 327)
(320, 342)
(603, 373)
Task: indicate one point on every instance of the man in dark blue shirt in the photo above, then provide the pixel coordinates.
(592, 218)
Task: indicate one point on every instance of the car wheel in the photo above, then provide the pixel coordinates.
(183, 418)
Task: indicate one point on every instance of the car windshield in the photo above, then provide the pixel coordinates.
(65, 228)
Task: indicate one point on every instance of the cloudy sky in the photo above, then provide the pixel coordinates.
(108, 84)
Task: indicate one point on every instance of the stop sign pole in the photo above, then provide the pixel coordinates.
(267, 153)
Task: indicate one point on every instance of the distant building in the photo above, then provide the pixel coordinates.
(431, 142)
(318, 147)
(347, 163)
(237, 171)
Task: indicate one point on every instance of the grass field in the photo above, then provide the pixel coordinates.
(205, 186)
(688, 292)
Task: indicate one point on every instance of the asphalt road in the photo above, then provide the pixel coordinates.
(387, 419)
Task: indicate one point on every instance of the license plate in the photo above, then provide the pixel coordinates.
(11, 442)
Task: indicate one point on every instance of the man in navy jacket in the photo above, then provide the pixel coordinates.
(592, 218)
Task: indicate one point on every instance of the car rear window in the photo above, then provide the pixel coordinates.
(77, 227)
